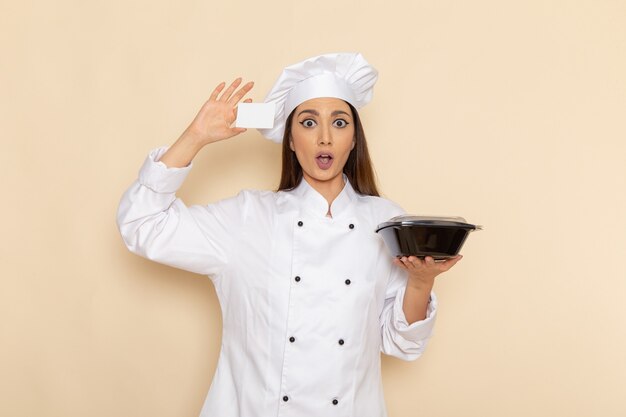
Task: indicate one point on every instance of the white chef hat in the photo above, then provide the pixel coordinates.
(347, 76)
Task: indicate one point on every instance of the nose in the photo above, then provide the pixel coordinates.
(325, 136)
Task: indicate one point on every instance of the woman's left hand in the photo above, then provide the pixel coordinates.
(422, 273)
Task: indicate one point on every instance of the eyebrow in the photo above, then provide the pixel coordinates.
(316, 113)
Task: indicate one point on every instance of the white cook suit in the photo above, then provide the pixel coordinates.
(308, 301)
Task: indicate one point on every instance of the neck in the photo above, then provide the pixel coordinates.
(329, 189)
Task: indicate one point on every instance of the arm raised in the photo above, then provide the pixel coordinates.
(212, 123)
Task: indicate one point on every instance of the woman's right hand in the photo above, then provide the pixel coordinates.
(214, 120)
(212, 123)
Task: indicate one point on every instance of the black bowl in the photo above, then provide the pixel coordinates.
(421, 236)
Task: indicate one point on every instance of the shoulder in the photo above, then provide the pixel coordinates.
(255, 203)
(260, 196)
(243, 203)
(255, 198)
(379, 209)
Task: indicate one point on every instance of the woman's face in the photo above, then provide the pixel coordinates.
(322, 136)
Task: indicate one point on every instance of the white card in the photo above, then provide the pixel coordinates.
(255, 115)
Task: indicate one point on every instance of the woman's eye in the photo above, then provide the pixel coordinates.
(308, 123)
(340, 123)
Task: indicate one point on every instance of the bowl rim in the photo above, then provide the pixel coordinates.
(428, 223)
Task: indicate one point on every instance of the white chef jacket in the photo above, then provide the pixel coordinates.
(308, 302)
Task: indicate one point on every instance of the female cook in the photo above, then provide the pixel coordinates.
(309, 294)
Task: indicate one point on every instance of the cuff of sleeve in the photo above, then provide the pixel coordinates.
(160, 178)
(420, 329)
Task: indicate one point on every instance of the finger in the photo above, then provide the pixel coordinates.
(231, 88)
(217, 90)
(248, 100)
(238, 130)
(416, 262)
(450, 262)
(240, 93)
(407, 262)
(429, 261)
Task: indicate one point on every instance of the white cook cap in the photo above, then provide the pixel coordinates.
(346, 76)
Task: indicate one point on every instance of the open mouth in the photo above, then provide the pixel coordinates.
(324, 160)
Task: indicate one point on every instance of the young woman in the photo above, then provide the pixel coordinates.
(309, 294)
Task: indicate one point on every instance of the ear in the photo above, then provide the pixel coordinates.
(291, 144)
(353, 144)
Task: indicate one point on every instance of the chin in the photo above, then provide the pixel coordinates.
(324, 176)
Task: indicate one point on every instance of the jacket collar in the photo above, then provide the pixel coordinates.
(312, 201)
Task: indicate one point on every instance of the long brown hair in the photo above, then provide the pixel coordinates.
(358, 167)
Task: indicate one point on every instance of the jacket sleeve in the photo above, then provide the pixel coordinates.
(157, 225)
(399, 339)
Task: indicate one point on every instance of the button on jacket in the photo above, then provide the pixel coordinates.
(308, 301)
